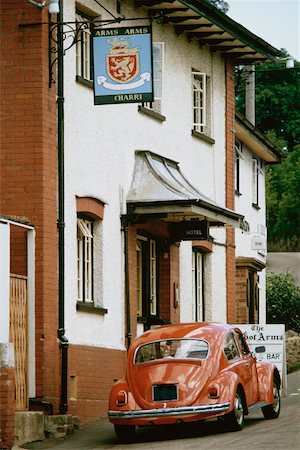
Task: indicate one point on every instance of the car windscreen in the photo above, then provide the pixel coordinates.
(172, 349)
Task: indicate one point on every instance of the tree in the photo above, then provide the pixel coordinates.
(277, 95)
(283, 203)
(221, 4)
(283, 300)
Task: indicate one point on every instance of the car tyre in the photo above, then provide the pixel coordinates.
(125, 433)
(235, 420)
(272, 411)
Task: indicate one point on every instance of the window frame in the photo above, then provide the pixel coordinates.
(147, 278)
(155, 106)
(198, 285)
(256, 171)
(84, 60)
(199, 101)
(85, 260)
(238, 156)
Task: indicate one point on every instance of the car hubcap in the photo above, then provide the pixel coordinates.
(276, 401)
(238, 409)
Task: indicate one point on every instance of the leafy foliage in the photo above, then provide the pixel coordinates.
(277, 94)
(283, 300)
(283, 203)
(221, 4)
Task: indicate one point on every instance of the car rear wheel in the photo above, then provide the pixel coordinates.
(234, 421)
(272, 411)
(125, 433)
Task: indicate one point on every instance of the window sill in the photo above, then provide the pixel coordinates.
(203, 136)
(90, 308)
(84, 81)
(153, 114)
(255, 206)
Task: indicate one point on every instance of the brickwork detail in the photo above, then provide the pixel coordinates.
(28, 170)
(7, 411)
(242, 314)
(94, 371)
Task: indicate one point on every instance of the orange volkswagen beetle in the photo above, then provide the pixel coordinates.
(189, 372)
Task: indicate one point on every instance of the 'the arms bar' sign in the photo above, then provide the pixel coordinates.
(122, 60)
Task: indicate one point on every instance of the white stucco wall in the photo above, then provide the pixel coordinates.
(100, 142)
(256, 219)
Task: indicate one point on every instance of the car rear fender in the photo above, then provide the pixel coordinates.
(267, 374)
(119, 386)
(230, 383)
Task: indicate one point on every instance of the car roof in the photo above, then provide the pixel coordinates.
(200, 330)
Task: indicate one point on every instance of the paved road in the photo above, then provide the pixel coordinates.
(258, 433)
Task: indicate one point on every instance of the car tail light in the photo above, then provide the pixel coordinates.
(213, 391)
(122, 398)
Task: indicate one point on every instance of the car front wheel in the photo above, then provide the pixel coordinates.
(234, 421)
(272, 411)
(125, 433)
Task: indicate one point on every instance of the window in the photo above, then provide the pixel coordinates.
(256, 171)
(230, 348)
(158, 50)
(237, 172)
(147, 281)
(198, 297)
(84, 260)
(172, 349)
(83, 48)
(201, 103)
(243, 344)
(139, 277)
(153, 264)
(90, 213)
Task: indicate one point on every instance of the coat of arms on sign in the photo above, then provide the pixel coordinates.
(122, 64)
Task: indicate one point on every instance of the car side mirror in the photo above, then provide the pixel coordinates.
(260, 349)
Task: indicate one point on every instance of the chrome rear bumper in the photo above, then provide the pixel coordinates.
(169, 412)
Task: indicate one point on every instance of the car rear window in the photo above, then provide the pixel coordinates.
(172, 349)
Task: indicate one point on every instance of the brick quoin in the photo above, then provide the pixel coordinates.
(28, 169)
(7, 403)
(241, 288)
(229, 193)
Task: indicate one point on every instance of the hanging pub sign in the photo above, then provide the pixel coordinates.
(122, 65)
(193, 230)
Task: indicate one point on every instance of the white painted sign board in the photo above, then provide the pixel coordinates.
(272, 337)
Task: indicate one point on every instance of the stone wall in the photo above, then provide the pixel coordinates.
(292, 349)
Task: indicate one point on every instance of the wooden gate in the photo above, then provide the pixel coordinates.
(18, 336)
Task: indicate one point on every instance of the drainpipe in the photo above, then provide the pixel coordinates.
(63, 341)
(126, 222)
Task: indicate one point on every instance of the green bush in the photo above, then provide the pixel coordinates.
(283, 300)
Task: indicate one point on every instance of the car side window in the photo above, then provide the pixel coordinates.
(243, 344)
(230, 348)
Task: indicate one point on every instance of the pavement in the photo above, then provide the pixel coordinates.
(100, 434)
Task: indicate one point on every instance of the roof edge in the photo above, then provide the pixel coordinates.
(231, 26)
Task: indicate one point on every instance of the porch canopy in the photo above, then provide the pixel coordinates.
(160, 191)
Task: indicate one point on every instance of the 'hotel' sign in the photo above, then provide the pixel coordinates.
(193, 230)
(122, 59)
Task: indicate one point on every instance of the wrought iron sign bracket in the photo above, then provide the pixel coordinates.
(69, 33)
